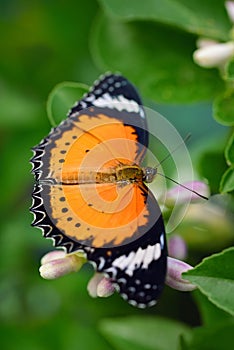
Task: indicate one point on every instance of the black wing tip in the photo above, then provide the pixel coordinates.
(121, 86)
(111, 83)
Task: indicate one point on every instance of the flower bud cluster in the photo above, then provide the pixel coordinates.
(211, 53)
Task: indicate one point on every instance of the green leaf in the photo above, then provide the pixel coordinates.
(213, 338)
(229, 70)
(229, 151)
(52, 334)
(214, 276)
(210, 314)
(227, 181)
(207, 18)
(143, 333)
(207, 161)
(223, 108)
(62, 98)
(158, 60)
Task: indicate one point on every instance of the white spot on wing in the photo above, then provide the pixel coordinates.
(119, 102)
(90, 98)
(152, 303)
(98, 91)
(149, 256)
(111, 271)
(162, 240)
(122, 262)
(147, 286)
(122, 280)
(157, 251)
(110, 80)
(124, 296)
(101, 263)
(140, 258)
(136, 262)
(117, 84)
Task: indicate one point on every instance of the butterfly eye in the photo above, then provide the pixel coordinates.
(149, 174)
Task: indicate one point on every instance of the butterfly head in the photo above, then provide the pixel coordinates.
(149, 174)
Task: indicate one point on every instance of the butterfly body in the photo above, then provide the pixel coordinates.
(91, 196)
(121, 173)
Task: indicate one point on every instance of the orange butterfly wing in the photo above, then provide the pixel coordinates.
(67, 152)
(93, 214)
(117, 224)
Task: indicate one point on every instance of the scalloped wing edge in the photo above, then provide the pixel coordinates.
(42, 221)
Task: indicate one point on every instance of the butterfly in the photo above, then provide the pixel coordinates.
(91, 194)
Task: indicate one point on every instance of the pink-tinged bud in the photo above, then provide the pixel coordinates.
(177, 247)
(54, 255)
(180, 195)
(174, 279)
(105, 288)
(100, 286)
(230, 9)
(59, 267)
(93, 283)
(214, 55)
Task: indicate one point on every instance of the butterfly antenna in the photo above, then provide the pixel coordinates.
(187, 137)
(183, 186)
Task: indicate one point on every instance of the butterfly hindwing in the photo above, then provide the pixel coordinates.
(138, 269)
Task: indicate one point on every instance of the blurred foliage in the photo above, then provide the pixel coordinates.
(61, 98)
(46, 42)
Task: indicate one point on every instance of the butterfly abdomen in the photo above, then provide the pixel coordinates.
(121, 173)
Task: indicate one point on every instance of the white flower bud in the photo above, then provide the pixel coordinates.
(93, 283)
(100, 286)
(214, 55)
(174, 279)
(105, 288)
(59, 267)
(54, 255)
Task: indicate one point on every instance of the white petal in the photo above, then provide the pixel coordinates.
(214, 55)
